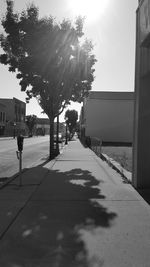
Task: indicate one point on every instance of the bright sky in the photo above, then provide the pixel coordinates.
(111, 26)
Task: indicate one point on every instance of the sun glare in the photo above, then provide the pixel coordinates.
(92, 10)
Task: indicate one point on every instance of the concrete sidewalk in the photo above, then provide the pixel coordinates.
(74, 211)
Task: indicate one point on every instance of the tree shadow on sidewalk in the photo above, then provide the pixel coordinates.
(61, 224)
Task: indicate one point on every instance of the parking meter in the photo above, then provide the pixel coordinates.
(19, 154)
(20, 142)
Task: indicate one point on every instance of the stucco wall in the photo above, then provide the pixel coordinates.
(9, 108)
(109, 119)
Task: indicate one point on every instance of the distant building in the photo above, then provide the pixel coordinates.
(42, 126)
(2, 119)
(15, 111)
(108, 116)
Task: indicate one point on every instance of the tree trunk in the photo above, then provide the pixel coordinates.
(57, 141)
(51, 147)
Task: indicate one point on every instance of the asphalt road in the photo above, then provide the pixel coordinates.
(35, 151)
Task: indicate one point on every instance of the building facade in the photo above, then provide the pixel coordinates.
(42, 126)
(108, 116)
(141, 144)
(15, 111)
(2, 119)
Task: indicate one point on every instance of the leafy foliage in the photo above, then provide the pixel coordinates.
(48, 58)
(31, 121)
(71, 117)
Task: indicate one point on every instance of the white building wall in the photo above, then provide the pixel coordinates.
(109, 119)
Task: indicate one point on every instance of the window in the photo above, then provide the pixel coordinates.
(15, 109)
(1, 117)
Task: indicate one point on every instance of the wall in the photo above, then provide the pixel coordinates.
(13, 114)
(2, 114)
(141, 144)
(20, 110)
(9, 108)
(2, 119)
(13, 126)
(109, 116)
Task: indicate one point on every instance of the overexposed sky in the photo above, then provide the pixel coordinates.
(111, 26)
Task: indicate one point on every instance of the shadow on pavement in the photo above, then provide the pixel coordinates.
(60, 226)
(145, 194)
(5, 181)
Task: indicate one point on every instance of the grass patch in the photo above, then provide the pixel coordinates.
(122, 155)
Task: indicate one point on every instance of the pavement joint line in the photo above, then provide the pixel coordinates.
(9, 180)
(86, 200)
(12, 221)
(36, 188)
(19, 211)
(25, 184)
(73, 160)
(28, 199)
(17, 214)
(25, 203)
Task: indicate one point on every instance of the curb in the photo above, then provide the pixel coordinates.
(6, 138)
(9, 180)
(117, 167)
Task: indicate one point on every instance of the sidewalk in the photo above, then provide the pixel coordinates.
(75, 211)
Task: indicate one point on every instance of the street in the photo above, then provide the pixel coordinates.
(35, 151)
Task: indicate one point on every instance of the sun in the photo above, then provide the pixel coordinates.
(92, 10)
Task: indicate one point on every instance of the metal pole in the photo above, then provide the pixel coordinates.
(66, 136)
(20, 167)
(57, 141)
(100, 147)
(14, 130)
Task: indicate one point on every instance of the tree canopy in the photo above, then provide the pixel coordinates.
(31, 121)
(71, 117)
(48, 58)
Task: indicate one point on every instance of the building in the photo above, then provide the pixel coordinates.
(42, 126)
(15, 111)
(108, 116)
(2, 119)
(141, 144)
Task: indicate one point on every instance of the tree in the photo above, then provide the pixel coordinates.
(49, 59)
(31, 121)
(71, 117)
